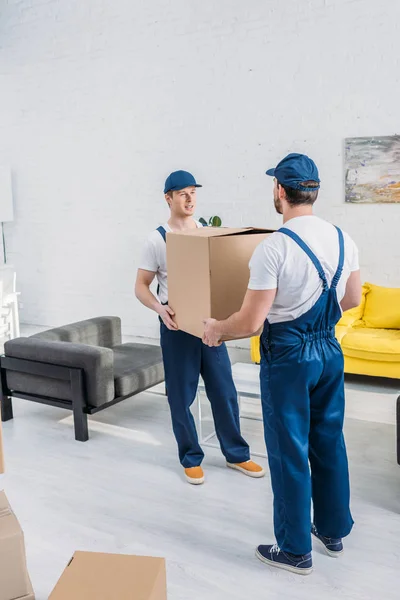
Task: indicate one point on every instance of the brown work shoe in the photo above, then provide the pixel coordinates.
(194, 475)
(249, 468)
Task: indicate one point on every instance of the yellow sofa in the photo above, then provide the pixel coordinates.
(369, 334)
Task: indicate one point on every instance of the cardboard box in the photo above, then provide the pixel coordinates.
(14, 579)
(95, 576)
(1, 458)
(1, 450)
(208, 273)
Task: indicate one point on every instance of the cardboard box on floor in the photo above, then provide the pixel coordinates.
(2, 468)
(208, 273)
(96, 576)
(14, 579)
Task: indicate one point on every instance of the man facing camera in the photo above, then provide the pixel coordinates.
(185, 356)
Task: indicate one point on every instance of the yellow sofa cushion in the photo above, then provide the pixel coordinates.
(372, 344)
(372, 368)
(382, 308)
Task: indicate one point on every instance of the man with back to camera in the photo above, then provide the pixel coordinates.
(300, 279)
(185, 356)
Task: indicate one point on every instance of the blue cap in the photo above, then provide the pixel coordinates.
(179, 180)
(294, 170)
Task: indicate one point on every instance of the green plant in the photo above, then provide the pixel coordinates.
(212, 222)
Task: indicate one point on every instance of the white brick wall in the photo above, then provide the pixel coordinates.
(101, 99)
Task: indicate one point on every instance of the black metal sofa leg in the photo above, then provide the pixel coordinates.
(78, 407)
(5, 399)
(81, 425)
(6, 408)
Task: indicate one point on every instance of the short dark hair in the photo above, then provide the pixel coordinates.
(297, 197)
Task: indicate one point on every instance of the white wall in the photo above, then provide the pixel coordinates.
(101, 99)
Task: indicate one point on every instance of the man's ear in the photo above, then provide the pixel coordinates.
(281, 192)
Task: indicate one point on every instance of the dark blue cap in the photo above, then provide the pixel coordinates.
(294, 170)
(179, 180)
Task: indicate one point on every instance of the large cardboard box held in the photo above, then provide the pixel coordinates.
(96, 576)
(14, 579)
(208, 273)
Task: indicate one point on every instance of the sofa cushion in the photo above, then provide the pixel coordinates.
(40, 386)
(382, 307)
(372, 344)
(136, 368)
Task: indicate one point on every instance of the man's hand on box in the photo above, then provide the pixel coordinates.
(166, 313)
(212, 335)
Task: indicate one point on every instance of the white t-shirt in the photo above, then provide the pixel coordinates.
(279, 262)
(154, 258)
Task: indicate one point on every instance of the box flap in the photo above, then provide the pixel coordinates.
(97, 576)
(209, 232)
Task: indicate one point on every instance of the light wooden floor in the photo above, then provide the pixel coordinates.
(123, 491)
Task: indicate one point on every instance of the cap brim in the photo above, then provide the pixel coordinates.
(270, 172)
(177, 189)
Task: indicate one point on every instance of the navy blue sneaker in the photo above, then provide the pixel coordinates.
(274, 556)
(332, 546)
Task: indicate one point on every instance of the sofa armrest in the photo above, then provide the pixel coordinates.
(353, 317)
(348, 319)
(99, 331)
(97, 364)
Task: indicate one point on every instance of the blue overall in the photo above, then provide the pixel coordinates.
(185, 359)
(302, 391)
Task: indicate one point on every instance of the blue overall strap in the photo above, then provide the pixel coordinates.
(162, 232)
(309, 253)
(339, 271)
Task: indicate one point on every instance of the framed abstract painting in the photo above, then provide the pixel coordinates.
(372, 169)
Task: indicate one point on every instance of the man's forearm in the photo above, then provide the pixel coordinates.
(146, 297)
(237, 326)
(349, 302)
(244, 323)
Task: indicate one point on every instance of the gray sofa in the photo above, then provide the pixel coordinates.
(82, 366)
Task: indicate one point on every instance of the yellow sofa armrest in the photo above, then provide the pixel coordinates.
(350, 317)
